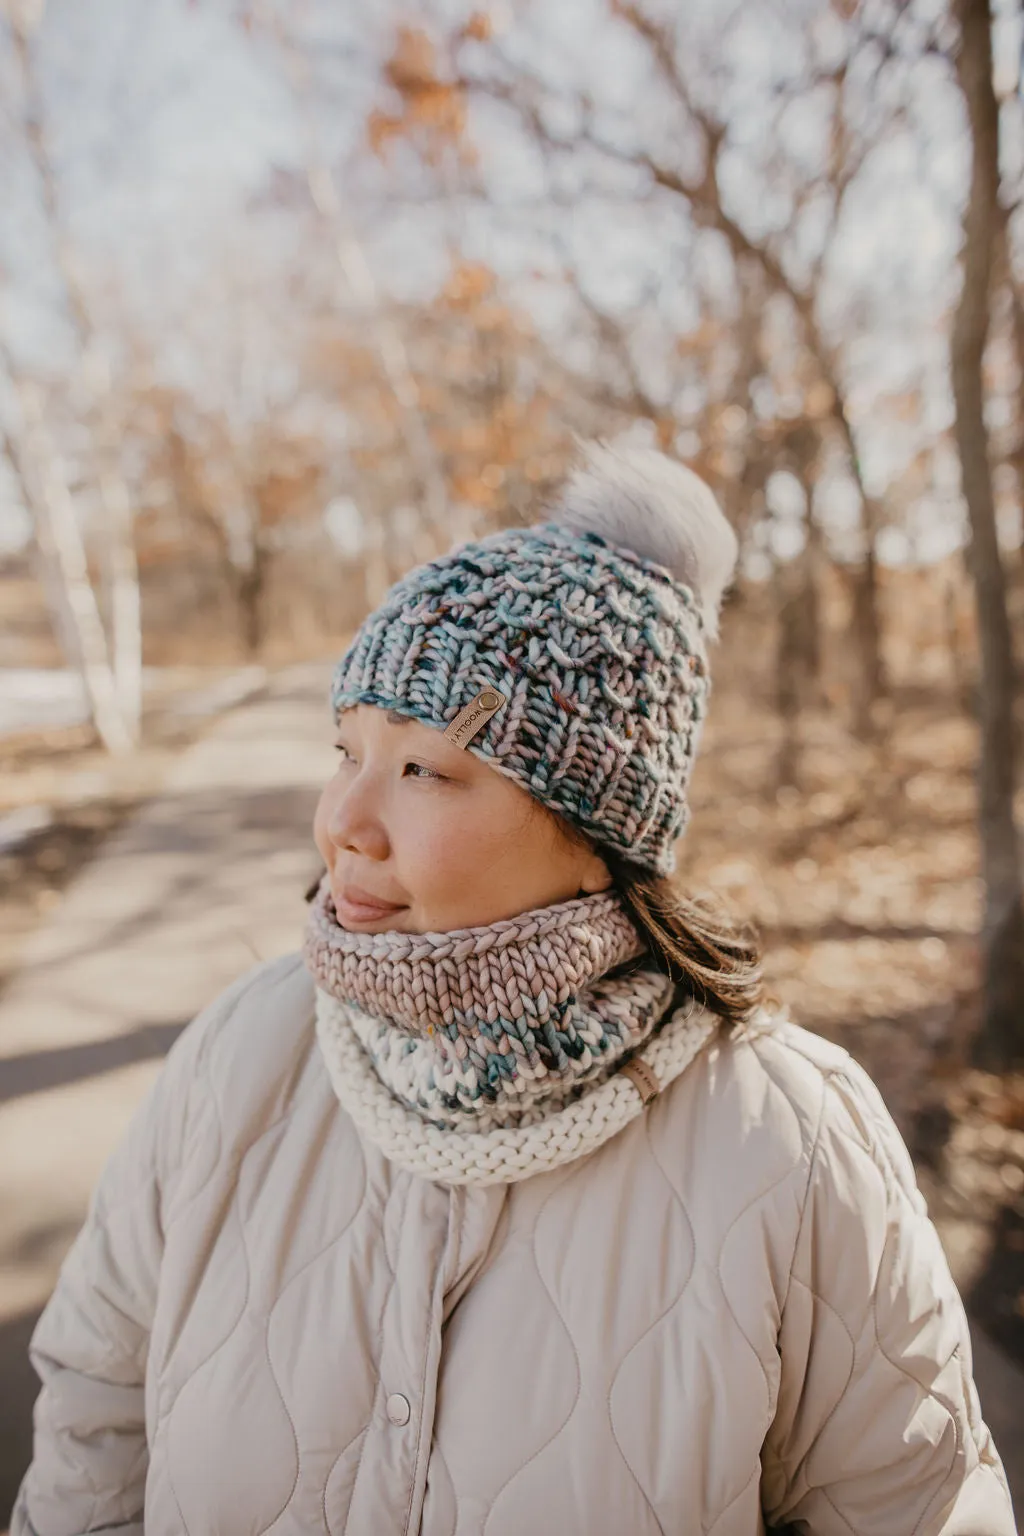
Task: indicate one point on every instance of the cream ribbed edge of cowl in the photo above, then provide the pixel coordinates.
(505, 1154)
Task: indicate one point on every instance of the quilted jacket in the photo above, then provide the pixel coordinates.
(735, 1314)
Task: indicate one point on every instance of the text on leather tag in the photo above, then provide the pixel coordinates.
(643, 1078)
(474, 716)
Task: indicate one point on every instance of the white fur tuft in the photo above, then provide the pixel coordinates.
(645, 502)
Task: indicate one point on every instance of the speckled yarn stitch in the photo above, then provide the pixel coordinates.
(601, 655)
(495, 1025)
(568, 1128)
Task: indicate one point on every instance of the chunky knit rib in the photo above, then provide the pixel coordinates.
(492, 1053)
(547, 1137)
(493, 1025)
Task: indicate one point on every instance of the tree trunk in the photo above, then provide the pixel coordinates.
(789, 682)
(249, 584)
(867, 630)
(59, 540)
(122, 560)
(797, 657)
(125, 605)
(1001, 1040)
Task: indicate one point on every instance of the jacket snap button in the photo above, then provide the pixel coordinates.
(397, 1409)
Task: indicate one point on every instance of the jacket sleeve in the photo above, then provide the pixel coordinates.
(878, 1429)
(90, 1347)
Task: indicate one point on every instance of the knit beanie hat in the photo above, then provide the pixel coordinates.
(572, 655)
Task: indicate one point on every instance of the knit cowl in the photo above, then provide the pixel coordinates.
(488, 1053)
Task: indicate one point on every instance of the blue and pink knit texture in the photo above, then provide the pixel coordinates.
(602, 658)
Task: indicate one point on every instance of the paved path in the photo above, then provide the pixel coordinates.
(208, 878)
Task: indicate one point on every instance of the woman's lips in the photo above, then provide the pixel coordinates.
(354, 905)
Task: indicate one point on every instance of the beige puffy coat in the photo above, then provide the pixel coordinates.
(735, 1313)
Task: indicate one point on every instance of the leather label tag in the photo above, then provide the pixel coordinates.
(474, 716)
(643, 1078)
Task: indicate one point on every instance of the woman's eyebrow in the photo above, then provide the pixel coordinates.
(394, 718)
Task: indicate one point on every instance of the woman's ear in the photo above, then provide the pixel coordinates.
(596, 876)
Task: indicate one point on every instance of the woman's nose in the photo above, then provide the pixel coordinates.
(355, 823)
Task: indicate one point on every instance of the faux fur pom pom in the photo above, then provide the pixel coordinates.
(645, 502)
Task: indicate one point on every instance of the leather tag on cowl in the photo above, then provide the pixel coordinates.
(643, 1078)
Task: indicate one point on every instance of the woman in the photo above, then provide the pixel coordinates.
(511, 1209)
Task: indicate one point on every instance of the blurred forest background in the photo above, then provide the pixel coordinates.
(293, 295)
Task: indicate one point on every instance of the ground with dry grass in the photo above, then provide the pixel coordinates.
(863, 879)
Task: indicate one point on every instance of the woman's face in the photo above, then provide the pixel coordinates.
(421, 836)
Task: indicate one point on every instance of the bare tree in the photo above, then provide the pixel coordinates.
(688, 166)
(39, 474)
(1002, 1034)
(125, 642)
(358, 275)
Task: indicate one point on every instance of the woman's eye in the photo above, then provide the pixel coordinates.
(420, 771)
(343, 752)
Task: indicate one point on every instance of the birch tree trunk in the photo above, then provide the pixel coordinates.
(1001, 1040)
(121, 560)
(60, 544)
